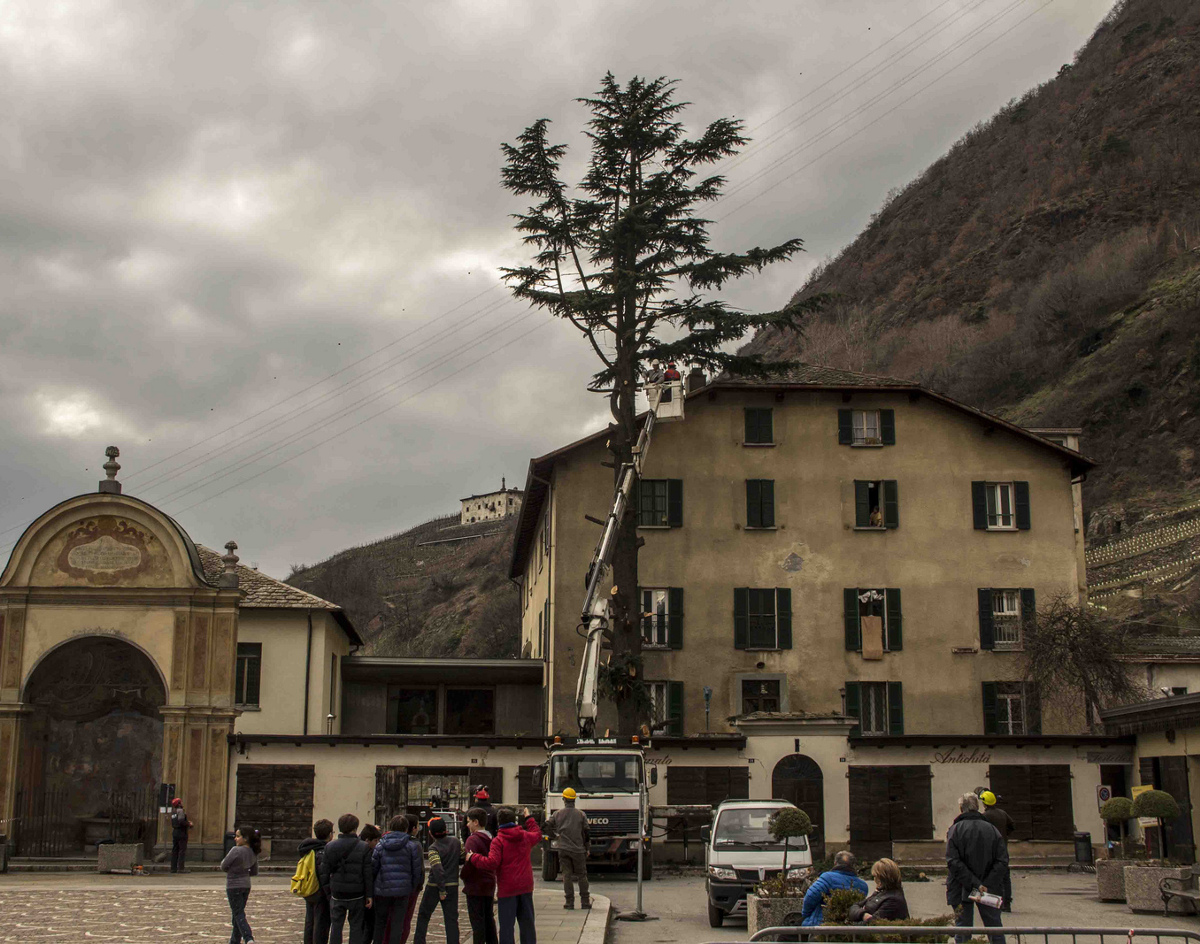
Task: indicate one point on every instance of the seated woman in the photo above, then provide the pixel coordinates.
(887, 903)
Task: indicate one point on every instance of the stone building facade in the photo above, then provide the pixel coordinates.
(492, 506)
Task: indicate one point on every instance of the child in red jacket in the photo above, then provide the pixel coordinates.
(509, 858)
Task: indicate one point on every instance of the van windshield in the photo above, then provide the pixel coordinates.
(595, 773)
(749, 828)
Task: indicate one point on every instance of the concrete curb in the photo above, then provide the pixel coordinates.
(595, 926)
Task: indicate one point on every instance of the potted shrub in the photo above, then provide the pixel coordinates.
(777, 899)
(1110, 872)
(1142, 881)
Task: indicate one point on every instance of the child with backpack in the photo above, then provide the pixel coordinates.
(306, 884)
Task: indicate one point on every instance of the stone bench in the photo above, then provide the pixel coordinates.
(118, 856)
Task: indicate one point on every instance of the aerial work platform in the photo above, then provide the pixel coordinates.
(666, 400)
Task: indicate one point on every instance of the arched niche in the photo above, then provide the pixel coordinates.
(797, 778)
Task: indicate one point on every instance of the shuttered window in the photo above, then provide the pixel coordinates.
(1000, 506)
(1011, 708)
(696, 786)
(759, 427)
(760, 503)
(762, 618)
(662, 617)
(877, 504)
(666, 707)
(1037, 797)
(878, 706)
(882, 603)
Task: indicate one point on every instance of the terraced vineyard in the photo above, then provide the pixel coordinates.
(1161, 556)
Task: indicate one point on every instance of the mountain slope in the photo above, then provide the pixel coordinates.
(439, 589)
(1048, 267)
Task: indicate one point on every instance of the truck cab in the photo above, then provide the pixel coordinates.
(608, 783)
(740, 852)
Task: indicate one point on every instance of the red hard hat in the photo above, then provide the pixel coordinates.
(177, 802)
(482, 794)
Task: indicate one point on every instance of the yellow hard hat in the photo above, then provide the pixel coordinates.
(569, 794)
(989, 798)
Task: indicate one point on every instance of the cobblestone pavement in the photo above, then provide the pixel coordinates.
(153, 909)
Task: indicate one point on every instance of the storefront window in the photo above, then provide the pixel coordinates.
(412, 710)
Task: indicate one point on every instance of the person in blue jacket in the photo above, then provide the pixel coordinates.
(842, 875)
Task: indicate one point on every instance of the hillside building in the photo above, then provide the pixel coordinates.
(492, 506)
(835, 575)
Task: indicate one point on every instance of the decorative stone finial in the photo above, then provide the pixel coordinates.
(503, 486)
(111, 468)
(230, 577)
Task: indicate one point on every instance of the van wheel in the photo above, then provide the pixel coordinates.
(716, 917)
(549, 865)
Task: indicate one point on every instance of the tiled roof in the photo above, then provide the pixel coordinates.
(1180, 644)
(818, 376)
(261, 590)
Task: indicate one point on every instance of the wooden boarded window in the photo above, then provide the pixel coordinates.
(1037, 797)
(528, 792)
(277, 799)
(694, 786)
(889, 803)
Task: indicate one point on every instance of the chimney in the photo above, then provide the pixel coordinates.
(695, 379)
(110, 485)
(229, 579)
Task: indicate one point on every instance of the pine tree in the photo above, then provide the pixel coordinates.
(625, 259)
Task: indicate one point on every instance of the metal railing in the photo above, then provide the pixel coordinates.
(839, 933)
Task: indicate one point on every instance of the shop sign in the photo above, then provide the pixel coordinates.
(1111, 755)
(960, 756)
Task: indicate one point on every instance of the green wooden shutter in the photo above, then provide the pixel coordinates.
(675, 709)
(647, 619)
(767, 502)
(741, 617)
(1021, 501)
(891, 504)
(675, 503)
(1033, 710)
(862, 505)
(759, 426)
(979, 504)
(239, 685)
(1028, 608)
(989, 707)
(895, 620)
(783, 617)
(853, 706)
(753, 503)
(636, 498)
(253, 677)
(675, 617)
(853, 629)
(845, 428)
(987, 629)
(887, 427)
(895, 708)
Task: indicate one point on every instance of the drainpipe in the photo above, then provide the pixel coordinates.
(307, 670)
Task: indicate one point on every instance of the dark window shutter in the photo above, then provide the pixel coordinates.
(1146, 772)
(647, 615)
(895, 619)
(895, 708)
(675, 503)
(754, 503)
(853, 706)
(987, 631)
(675, 617)
(675, 709)
(1033, 710)
(891, 504)
(845, 428)
(240, 682)
(759, 426)
(853, 630)
(1021, 501)
(253, 670)
(767, 497)
(739, 783)
(979, 504)
(989, 707)
(887, 427)
(783, 617)
(741, 617)
(862, 505)
(1028, 608)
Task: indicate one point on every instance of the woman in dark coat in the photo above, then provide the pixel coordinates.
(887, 903)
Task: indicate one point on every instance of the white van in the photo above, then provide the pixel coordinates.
(739, 853)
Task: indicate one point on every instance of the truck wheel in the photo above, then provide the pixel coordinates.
(549, 865)
(716, 917)
(647, 865)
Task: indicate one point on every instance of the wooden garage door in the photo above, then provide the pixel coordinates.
(688, 786)
(888, 804)
(1037, 797)
(276, 799)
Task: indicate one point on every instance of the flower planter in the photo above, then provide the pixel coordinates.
(1110, 879)
(1141, 888)
(770, 912)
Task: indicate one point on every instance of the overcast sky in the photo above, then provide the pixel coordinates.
(288, 216)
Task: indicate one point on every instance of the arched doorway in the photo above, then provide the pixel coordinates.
(92, 748)
(797, 778)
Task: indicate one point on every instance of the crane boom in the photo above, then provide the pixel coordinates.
(595, 616)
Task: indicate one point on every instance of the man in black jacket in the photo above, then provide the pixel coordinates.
(316, 906)
(180, 824)
(977, 860)
(346, 871)
(1004, 825)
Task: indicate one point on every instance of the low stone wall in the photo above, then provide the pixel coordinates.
(769, 912)
(1110, 879)
(118, 856)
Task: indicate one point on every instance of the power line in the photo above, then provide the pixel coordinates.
(874, 121)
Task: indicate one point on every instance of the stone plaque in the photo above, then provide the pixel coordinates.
(104, 554)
